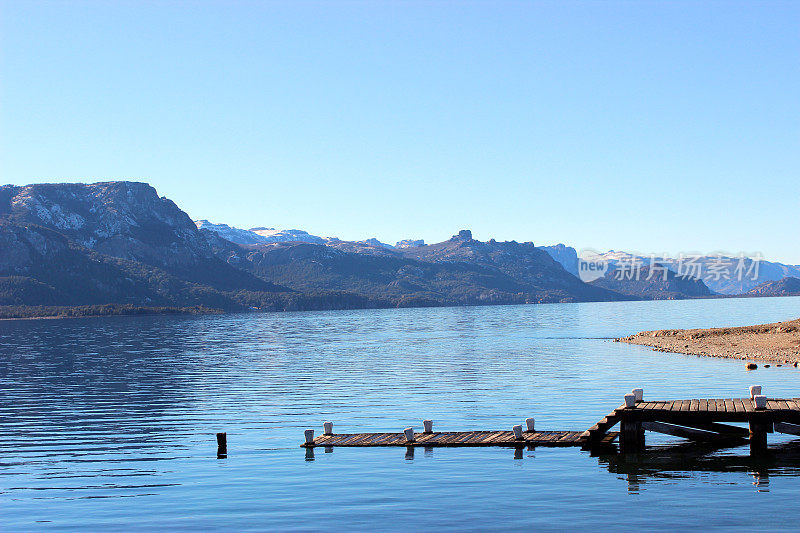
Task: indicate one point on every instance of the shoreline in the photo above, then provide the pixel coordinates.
(96, 311)
(778, 342)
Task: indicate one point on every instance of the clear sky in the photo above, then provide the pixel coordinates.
(646, 126)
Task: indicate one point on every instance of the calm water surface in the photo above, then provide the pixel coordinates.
(109, 423)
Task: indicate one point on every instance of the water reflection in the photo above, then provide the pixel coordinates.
(687, 459)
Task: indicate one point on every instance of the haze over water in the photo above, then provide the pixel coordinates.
(110, 422)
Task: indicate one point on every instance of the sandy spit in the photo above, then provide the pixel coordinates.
(773, 343)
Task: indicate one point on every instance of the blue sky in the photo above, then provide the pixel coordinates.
(646, 126)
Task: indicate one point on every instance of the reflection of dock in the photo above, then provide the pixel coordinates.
(699, 420)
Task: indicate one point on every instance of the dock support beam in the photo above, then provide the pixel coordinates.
(631, 436)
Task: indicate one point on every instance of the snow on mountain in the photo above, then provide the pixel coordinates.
(235, 235)
(375, 242)
(409, 243)
(287, 235)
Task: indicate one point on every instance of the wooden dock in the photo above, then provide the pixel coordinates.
(458, 438)
(700, 420)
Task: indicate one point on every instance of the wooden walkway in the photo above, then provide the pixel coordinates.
(457, 438)
(730, 409)
(695, 419)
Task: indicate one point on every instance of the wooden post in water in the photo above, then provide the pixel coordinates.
(754, 391)
(428, 425)
(409, 433)
(638, 395)
(328, 428)
(222, 445)
(517, 432)
(531, 423)
(309, 434)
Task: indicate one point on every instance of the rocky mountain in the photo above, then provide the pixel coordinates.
(287, 235)
(258, 235)
(120, 243)
(460, 271)
(654, 282)
(409, 243)
(523, 262)
(375, 242)
(723, 274)
(564, 255)
(788, 286)
(115, 242)
(229, 233)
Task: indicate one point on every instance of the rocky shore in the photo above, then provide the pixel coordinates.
(777, 343)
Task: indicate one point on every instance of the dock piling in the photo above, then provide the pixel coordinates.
(517, 432)
(631, 436)
(222, 445)
(758, 435)
(309, 433)
(530, 422)
(754, 390)
(328, 427)
(428, 425)
(409, 433)
(638, 395)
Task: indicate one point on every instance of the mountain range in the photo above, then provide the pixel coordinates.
(723, 273)
(120, 243)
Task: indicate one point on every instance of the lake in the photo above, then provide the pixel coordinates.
(109, 423)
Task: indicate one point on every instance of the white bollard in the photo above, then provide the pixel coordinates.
(638, 393)
(309, 436)
(530, 423)
(409, 432)
(517, 432)
(754, 390)
(328, 427)
(428, 424)
(630, 400)
(760, 401)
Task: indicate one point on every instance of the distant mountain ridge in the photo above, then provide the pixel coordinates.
(655, 282)
(120, 243)
(262, 235)
(788, 286)
(722, 273)
(116, 242)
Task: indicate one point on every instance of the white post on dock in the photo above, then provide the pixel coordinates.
(409, 432)
(517, 432)
(328, 427)
(760, 401)
(630, 400)
(309, 436)
(530, 423)
(428, 424)
(638, 393)
(754, 391)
